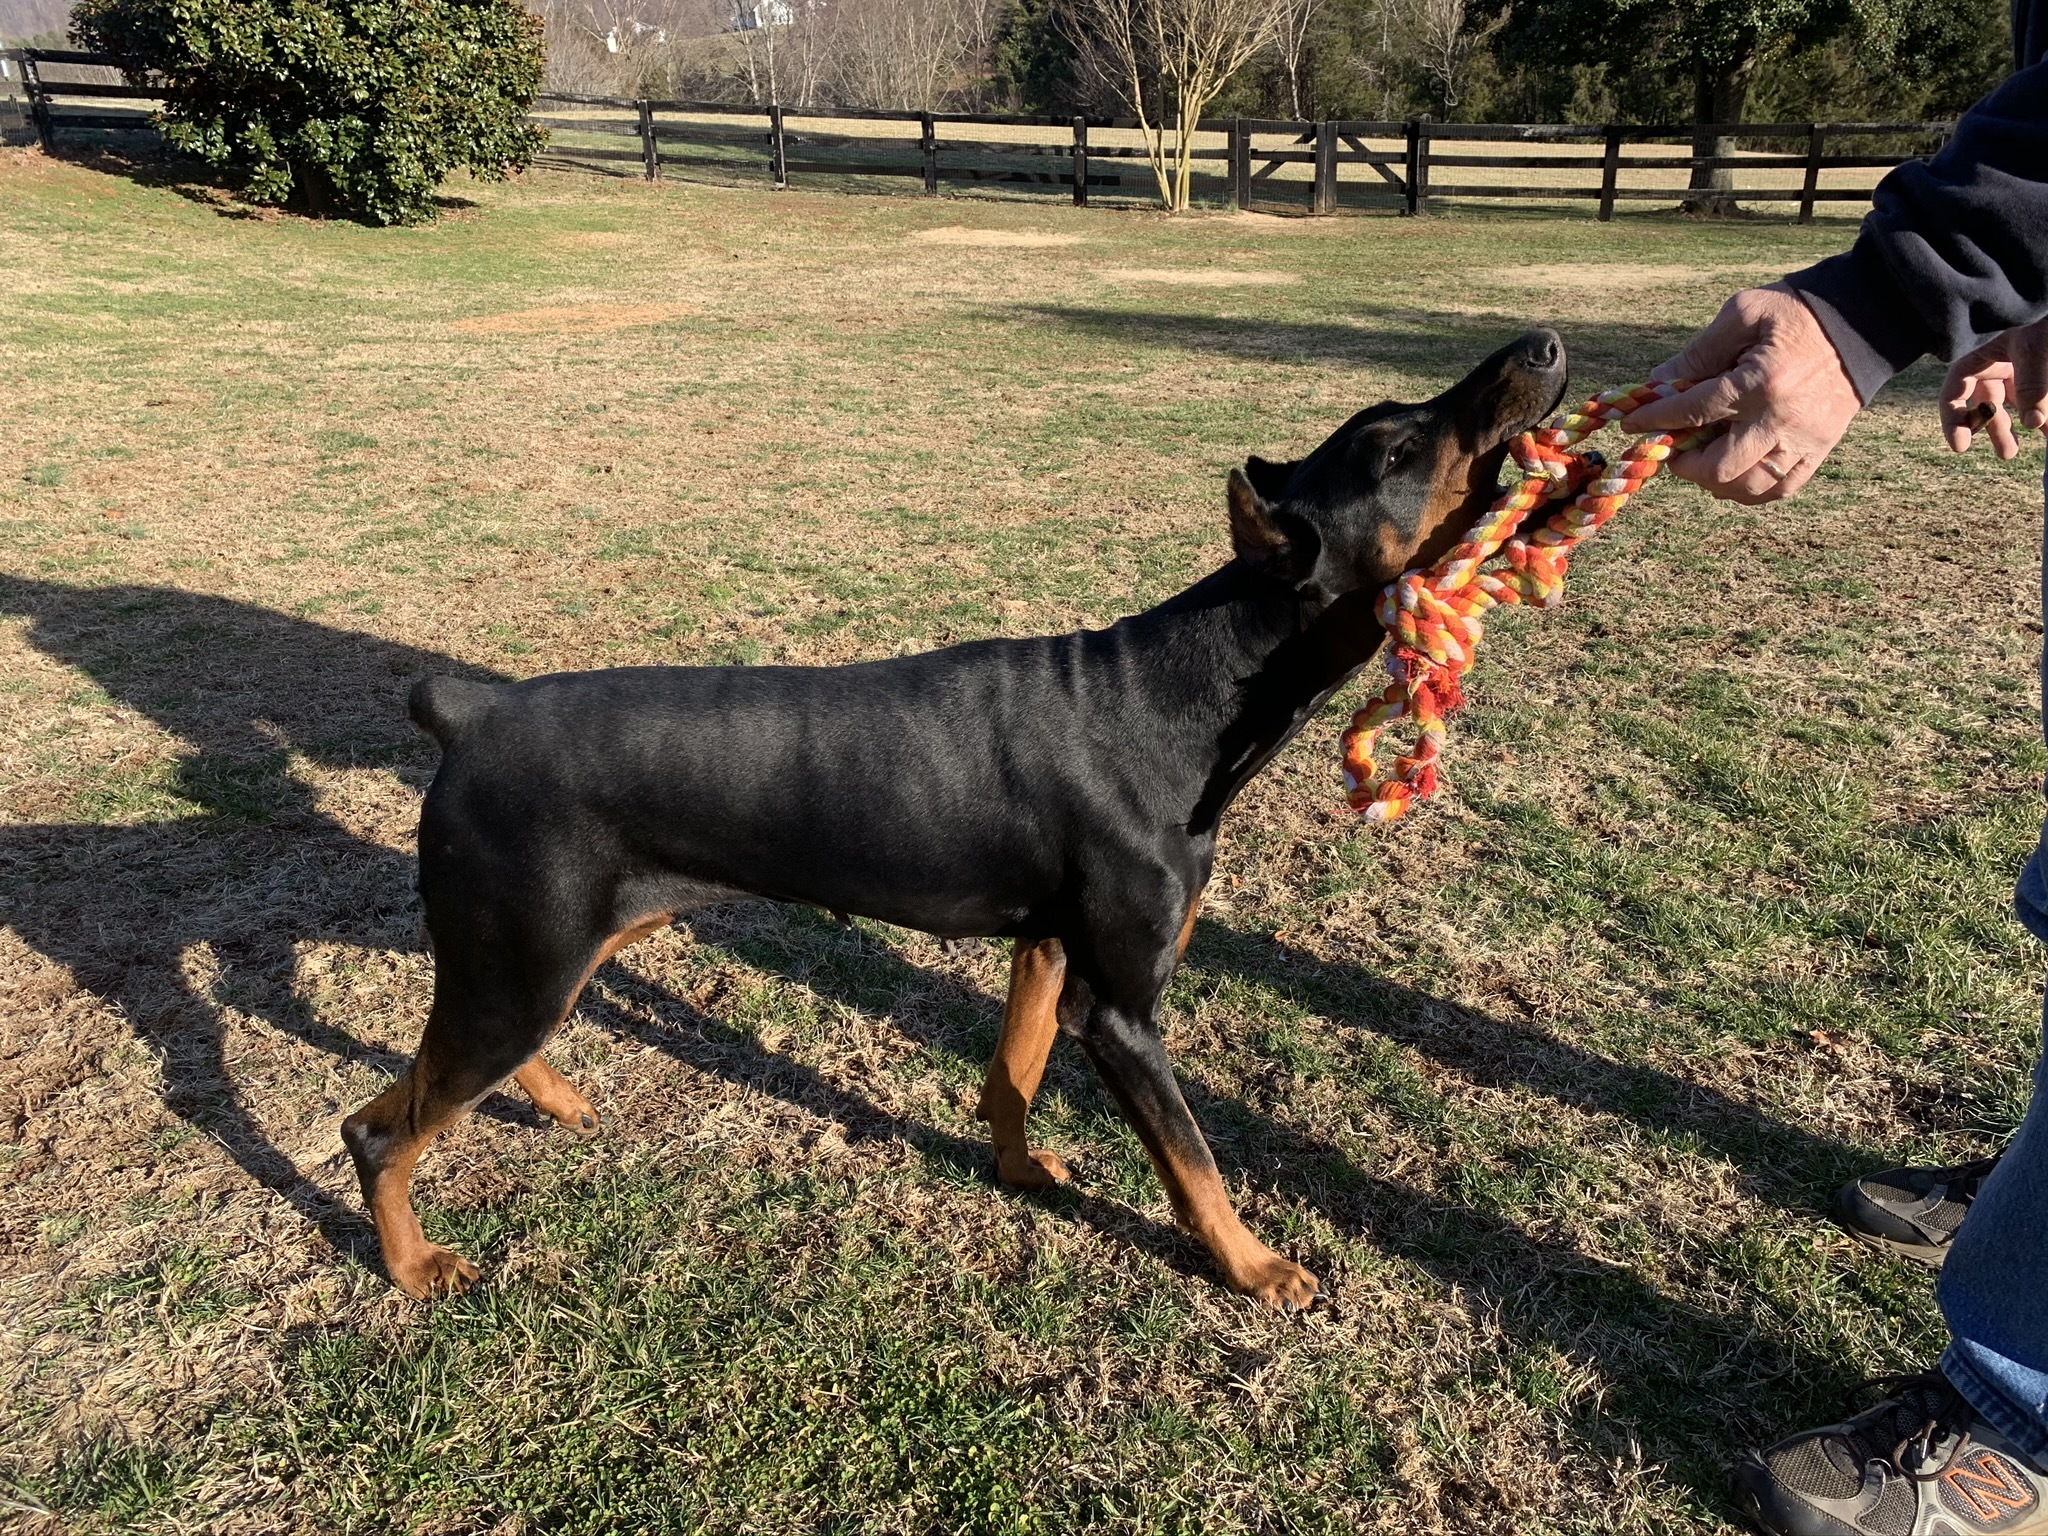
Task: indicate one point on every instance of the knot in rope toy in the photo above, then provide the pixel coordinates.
(1433, 617)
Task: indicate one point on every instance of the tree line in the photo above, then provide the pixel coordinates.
(363, 107)
(1624, 61)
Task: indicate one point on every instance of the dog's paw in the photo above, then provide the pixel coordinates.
(434, 1271)
(583, 1122)
(1278, 1282)
(1033, 1170)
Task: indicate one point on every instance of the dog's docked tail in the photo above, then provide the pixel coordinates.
(443, 707)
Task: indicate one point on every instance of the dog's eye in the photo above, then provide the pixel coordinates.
(1397, 455)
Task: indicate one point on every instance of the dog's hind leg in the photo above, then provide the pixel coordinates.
(483, 1028)
(386, 1136)
(555, 1096)
(1038, 968)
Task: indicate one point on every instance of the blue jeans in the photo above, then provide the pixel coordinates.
(1994, 1286)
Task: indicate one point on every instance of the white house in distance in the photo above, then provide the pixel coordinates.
(752, 15)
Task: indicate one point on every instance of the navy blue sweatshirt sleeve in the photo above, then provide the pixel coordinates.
(1954, 250)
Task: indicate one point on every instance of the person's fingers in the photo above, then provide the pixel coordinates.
(1685, 466)
(2004, 441)
(1712, 351)
(1960, 424)
(1795, 478)
(1971, 407)
(1714, 399)
(1731, 456)
(1772, 478)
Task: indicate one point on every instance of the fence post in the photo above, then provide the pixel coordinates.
(1815, 135)
(38, 104)
(1324, 199)
(649, 155)
(1610, 172)
(929, 145)
(778, 160)
(1080, 162)
(1411, 170)
(1418, 193)
(1240, 165)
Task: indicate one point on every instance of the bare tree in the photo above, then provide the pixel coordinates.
(1170, 58)
(909, 53)
(1290, 42)
(1447, 42)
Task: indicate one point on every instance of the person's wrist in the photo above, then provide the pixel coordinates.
(1825, 371)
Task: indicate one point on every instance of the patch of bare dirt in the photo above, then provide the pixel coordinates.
(1611, 276)
(1200, 277)
(570, 319)
(1001, 239)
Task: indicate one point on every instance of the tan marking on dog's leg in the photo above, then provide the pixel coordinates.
(554, 1095)
(1203, 1206)
(387, 1135)
(1030, 1020)
(1187, 928)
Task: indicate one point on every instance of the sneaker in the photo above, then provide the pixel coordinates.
(1920, 1463)
(1912, 1212)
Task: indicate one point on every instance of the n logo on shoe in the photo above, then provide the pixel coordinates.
(1987, 1489)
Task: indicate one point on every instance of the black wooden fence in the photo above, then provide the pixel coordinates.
(1397, 165)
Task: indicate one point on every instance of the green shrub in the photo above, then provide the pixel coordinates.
(355, 106)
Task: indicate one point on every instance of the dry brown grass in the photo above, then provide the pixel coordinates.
(570, 319)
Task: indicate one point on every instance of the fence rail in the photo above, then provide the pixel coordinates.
(1403, 165)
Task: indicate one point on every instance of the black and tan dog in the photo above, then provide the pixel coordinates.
(1064, 792)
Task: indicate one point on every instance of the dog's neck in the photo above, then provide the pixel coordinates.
(1251, 663)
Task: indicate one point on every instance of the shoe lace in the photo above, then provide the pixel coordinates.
(1964, 1178)
(1946, 1412)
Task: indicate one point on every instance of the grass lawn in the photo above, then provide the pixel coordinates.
(1549, 1083)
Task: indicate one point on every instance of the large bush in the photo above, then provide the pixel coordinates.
(354, 106)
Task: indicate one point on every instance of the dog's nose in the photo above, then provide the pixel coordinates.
(1542, 349)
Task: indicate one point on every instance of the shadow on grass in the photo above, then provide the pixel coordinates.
(143, 157)
(1681, 1381)
(228, 852)
(235, 855)
(1409, 339)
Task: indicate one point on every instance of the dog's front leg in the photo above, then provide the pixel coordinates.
(1128, 1052)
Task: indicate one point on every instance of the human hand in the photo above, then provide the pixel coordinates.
(1985, 389)
(1767, 369)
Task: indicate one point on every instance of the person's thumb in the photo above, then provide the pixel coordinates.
(1706, 357)
(1717, 348)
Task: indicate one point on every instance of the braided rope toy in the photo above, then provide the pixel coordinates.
(1433, 617)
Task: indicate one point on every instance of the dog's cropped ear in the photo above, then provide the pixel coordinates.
(1275, 543)
(1269, 479)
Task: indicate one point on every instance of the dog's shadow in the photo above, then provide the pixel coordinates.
(235, 855)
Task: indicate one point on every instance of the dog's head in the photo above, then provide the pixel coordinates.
(1396, 485)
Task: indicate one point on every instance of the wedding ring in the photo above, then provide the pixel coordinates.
(1771, 468)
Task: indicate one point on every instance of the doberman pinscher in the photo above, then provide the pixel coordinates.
(1064, 792)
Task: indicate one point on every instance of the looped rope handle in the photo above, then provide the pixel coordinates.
(1433, 616)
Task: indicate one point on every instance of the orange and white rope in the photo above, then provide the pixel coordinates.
(1433, 617)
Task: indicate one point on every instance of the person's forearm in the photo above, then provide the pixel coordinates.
(1955, 249)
